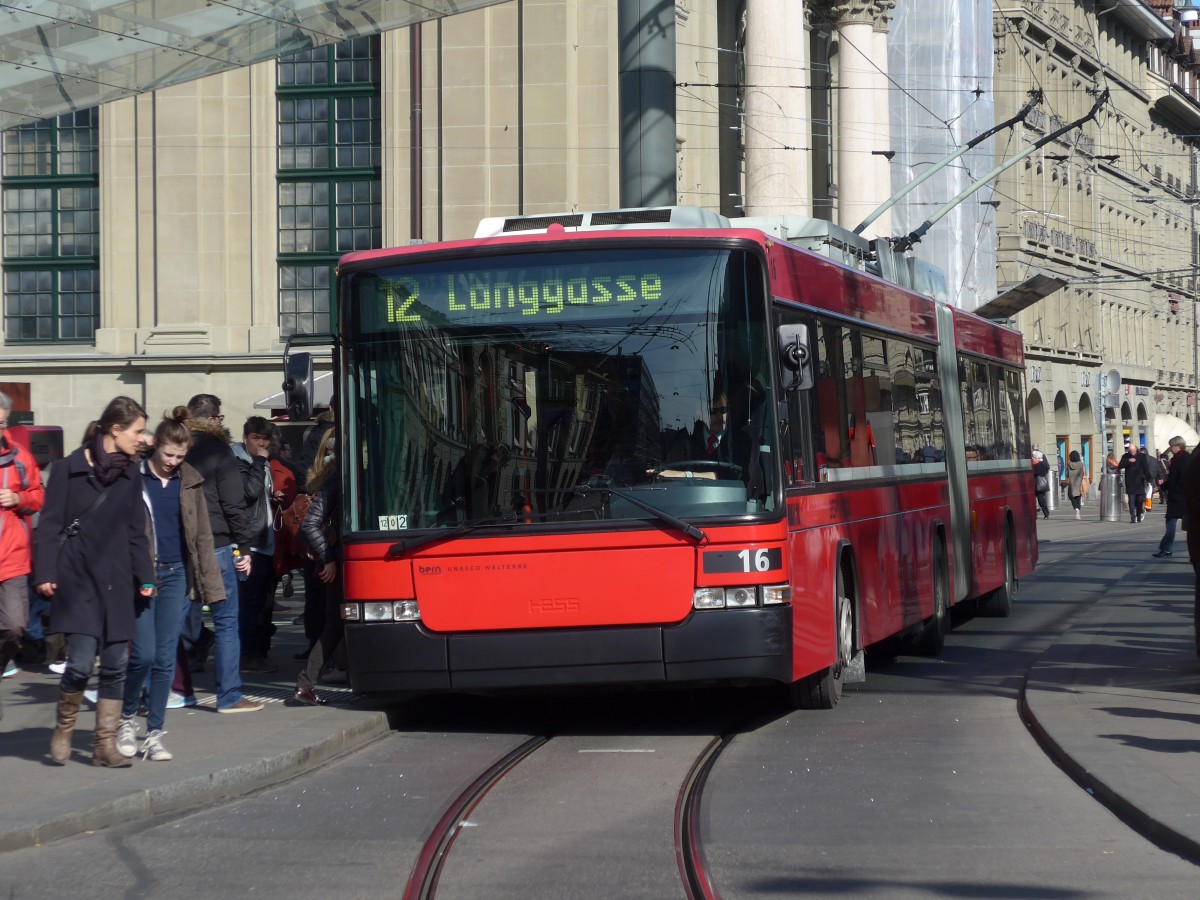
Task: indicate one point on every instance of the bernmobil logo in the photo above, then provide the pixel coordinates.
(423, 569)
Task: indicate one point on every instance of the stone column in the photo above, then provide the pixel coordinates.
(883, 115)
(856, 112)
(777, 130)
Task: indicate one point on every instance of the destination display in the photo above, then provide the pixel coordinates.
(537, 289)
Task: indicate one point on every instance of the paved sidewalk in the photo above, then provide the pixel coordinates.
(1117, 700)
(216, 756)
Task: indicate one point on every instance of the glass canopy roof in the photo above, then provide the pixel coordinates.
(62, 55)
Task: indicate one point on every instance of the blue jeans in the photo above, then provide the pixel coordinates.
(156, 634)
(1168, 539)
(227, 648)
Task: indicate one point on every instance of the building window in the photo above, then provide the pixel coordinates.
(51, 230)
(329, 188)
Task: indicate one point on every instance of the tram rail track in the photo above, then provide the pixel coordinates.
(696, 881)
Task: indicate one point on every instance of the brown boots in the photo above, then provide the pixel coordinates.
(104, 742)
(60, 741)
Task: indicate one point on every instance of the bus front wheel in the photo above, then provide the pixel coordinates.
(823, 689)
(998, 603)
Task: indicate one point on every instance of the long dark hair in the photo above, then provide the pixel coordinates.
(121, 411)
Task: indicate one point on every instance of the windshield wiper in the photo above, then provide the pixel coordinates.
(686, 527)
(412, 543)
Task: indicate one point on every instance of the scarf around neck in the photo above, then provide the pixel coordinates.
(108, 466)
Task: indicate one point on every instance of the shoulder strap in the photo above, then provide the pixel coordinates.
(73, 529)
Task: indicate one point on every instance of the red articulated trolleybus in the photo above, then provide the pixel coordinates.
(661, 447)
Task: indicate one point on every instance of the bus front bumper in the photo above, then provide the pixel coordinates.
(712, 645)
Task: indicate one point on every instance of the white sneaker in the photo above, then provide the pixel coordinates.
(90, 696)
(58, 668)
(153, 750)
(127, 738)
(10, 670)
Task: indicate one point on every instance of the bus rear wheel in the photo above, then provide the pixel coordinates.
(823, 690)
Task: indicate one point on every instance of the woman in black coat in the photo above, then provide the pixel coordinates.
(323, 581)
(92, 557)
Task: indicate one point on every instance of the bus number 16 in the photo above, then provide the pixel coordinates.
(761, 558)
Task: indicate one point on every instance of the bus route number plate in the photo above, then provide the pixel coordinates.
(744, 561)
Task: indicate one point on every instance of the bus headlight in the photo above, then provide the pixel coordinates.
(708, 598)
(377, 612)
(742, 597)
(381, 611)
(406, 611)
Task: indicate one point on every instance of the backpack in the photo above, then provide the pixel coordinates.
(296, 547)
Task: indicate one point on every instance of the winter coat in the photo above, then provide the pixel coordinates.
(1074, 479)
(324, 519)
(211, 456)
(1176, 501)
(101, 568)
(18, 473)
(1136, 467)
(1041, 467)
(257, 489)
(204, 581)
(1191, 498)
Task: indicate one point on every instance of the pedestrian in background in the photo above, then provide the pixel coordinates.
(1075, 475)
(1137, 477)
(21, 496)
(211, 456)
(91, 556)
(1176, 502)
(323, 580)
(1191, 497)
(256, 590)
(1041, 482)
(185, 568)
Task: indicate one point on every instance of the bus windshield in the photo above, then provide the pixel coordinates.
(535, 389)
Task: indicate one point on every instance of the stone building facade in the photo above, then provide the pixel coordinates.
(168, 243)
(1110, 208)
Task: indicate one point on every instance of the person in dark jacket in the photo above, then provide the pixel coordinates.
(256, 591)
(210, 455)
(91, 555)
(1075, 473)
(1176, 502)
(1041, 482)
(185, 567)
(1135, 465)
(312, 442)
(320, 529)
(1191, 498)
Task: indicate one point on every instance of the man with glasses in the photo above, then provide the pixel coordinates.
(211, 455)
(20, 497)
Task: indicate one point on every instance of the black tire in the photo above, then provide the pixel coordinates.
(933, 634)
(998, 604)
(823, 690)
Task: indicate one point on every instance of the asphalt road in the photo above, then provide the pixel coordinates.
(923, 783)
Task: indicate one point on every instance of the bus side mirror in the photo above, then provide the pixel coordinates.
(793, 352)
(298, 385)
